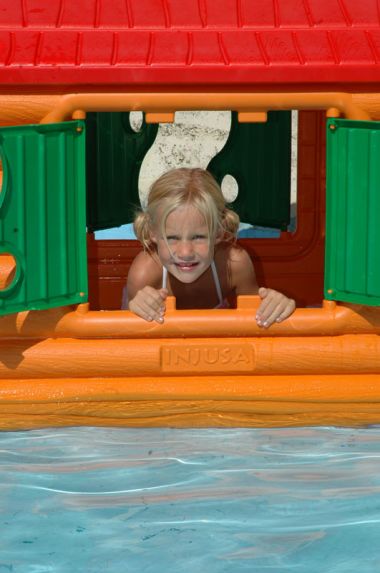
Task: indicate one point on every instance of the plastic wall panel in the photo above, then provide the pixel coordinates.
(42, 215)
(353, 212)
(258, 156)
(114, 157)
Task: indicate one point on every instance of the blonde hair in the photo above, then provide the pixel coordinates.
(186, 186)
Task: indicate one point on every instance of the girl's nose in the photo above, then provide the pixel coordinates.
(185, 249)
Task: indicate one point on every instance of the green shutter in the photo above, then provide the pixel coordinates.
(352, 272)
(42, 215)
(258, 156)
(114, 157)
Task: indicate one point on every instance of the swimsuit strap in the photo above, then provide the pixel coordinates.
(217, 282)
(164, 277)
(214, 274)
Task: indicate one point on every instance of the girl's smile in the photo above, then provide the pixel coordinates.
(185, 249)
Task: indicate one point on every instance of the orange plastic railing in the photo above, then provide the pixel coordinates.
(246, 104)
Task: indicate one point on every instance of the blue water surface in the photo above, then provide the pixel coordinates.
(161, 500)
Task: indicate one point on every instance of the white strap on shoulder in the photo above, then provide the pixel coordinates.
(214, 274)
(217, 282)
(164, 277)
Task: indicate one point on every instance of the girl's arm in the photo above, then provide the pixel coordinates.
(275, 306)
(144, 295)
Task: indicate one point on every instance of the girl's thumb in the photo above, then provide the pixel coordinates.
(263, 292)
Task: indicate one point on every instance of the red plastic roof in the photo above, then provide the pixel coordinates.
(184, 42)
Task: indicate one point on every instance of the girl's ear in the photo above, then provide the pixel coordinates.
(152, 234)
(219, 237)
(153, 237)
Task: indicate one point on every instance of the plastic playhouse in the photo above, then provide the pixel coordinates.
(70, 74)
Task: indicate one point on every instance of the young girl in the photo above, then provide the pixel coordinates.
(190, 251)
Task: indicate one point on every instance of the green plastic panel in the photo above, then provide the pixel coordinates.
(115, 153)
(42, 215)
(258, 156)
(352, 270)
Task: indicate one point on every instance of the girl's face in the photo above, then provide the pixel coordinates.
(185, 250)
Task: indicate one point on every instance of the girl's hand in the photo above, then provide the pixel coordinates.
(149, 303)
(274, 307)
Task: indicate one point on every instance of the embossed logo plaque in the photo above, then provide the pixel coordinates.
(210, 357)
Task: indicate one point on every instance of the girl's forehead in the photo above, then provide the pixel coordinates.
(186, 215)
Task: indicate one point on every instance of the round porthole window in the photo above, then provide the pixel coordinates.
(230, 188)
(8, 267)
(136, 120)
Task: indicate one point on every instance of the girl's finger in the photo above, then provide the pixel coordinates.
(287, 311)
(271, 318)
(266, 309)
(148, 309)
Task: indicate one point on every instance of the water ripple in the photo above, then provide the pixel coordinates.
(160, 500)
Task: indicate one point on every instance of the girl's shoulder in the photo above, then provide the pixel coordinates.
(232, 254)
(239, 269)
(146, 269)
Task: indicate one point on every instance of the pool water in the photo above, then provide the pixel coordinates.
(95, 500)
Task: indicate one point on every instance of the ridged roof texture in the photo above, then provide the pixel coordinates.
(207, 42)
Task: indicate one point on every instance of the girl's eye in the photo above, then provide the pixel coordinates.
(174, 238)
